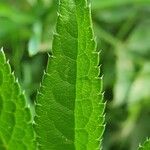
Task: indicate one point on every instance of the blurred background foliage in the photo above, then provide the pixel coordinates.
(122, 29)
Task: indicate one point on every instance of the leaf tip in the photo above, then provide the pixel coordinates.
(2, 50)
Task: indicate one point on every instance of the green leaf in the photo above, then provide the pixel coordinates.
(141, 83)
(69, 107)
(35, 40)
(145, 146)
(104, 4)
(138, 42)
(125, 76)
(16, 132)
(7, 11)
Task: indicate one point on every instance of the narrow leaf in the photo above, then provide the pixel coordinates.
(69, 109)
(16, 132)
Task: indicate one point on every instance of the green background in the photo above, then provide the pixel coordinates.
(122, 30)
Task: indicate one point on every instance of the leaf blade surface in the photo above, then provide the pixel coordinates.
(16, 130)
(69, 104)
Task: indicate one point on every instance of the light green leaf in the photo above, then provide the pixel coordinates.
(16, 132)
(69, 109)
(138, 42)
(104, 4)
(141, 83)
(145, 146)
(125, 76)
(35, 40)
(7, 11)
